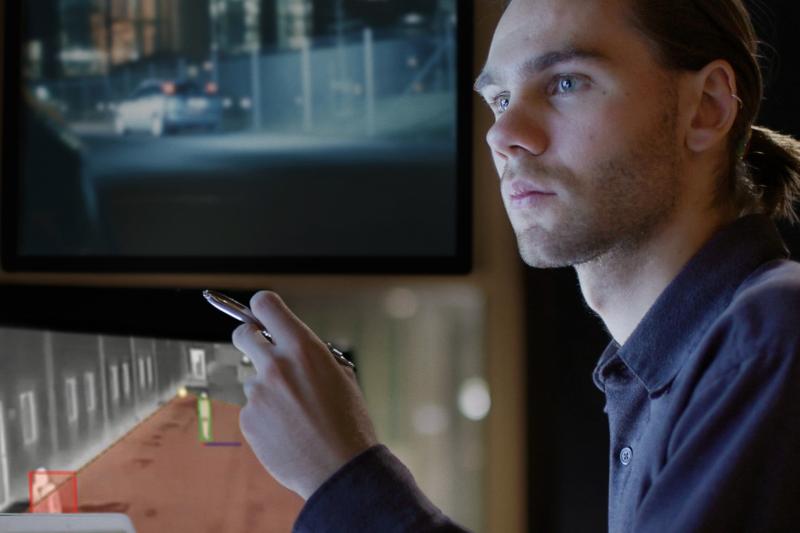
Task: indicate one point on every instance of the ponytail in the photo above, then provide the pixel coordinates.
(688, 35)
(773, 165)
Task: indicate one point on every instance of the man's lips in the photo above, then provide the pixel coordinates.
(525, 194)
(520, 188)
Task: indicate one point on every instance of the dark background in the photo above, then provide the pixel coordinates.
(567, 429)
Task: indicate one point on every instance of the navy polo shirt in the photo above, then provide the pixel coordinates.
(703, 403)
(703, 399)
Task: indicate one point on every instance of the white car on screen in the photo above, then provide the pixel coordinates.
(163, 107)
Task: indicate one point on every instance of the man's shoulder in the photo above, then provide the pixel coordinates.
(757, 333)
(763, 317)
(769, 300)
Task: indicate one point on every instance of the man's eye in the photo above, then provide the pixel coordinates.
(501, 103)
(566, 84)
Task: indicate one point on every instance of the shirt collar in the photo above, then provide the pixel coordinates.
(662, 340)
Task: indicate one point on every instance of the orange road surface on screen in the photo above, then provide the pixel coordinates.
(165, 480)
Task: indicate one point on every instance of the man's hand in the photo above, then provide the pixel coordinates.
(305, 416)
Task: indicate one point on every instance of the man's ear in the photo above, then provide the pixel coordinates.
(715, 105)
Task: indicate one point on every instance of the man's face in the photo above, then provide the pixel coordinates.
(583, 113)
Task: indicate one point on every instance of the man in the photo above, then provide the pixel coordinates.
(625, 146)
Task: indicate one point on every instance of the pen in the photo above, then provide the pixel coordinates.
(241, 312)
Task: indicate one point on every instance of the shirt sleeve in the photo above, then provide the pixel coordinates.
(733, 460)
(372, 492)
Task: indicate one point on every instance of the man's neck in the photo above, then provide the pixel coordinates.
(621, 286)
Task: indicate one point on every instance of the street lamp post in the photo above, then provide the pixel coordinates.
(369, 82)
(255, 85)
(214, 42)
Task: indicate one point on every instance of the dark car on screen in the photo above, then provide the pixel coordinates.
(163, 107)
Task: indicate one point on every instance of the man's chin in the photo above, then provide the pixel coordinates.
(539, 257)
(546, 251)
(543, 262)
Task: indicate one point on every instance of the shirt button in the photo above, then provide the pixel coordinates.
(625, 455)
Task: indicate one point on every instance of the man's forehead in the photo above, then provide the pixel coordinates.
(545, 23)
(538, 33)
(537, 14)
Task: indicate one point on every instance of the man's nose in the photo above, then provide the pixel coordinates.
(514, 130)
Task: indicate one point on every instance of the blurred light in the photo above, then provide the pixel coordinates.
(192, 71)
(42, 93)
(208, 65)
(412, 19)
(474, 401)
(401, 303)
(227, 103)
(182, 392)
(246, 103)
(412, 62)
(81, 55)
(430, 419)
(101, 106)
(35, 51)
(298, 9)
(211, 87)
(168, 87)
(251, 7)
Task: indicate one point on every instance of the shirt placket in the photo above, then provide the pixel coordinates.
(627, 408)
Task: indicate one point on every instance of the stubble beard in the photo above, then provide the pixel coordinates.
(612, 210)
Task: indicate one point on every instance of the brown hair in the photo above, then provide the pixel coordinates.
(762, 173)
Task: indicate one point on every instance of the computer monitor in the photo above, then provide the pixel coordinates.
(237, 136)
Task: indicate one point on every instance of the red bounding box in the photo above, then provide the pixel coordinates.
(53, 491)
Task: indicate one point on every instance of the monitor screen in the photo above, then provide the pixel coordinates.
(237, 135)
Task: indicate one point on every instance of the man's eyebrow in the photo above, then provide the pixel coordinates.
(543, 62)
